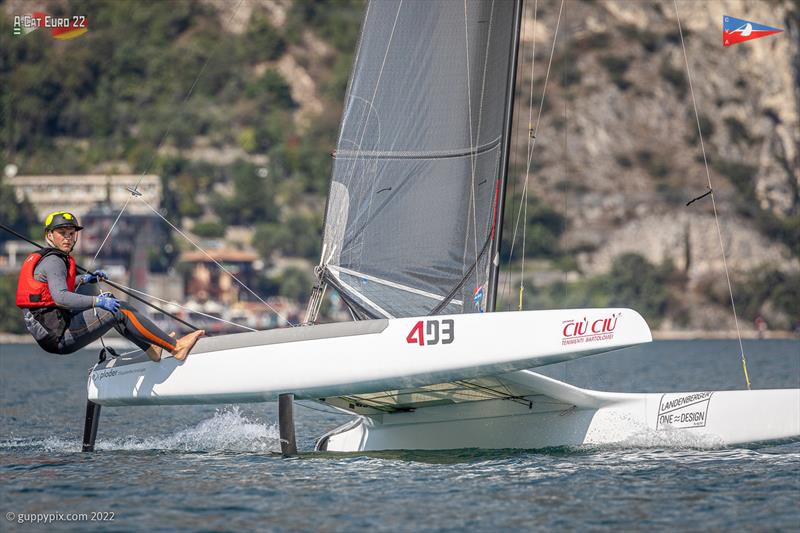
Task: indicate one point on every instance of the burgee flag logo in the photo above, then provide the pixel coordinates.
(739, 30)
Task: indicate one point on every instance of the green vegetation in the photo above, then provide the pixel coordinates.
(649, 40)
(543, 228)
(675, 77)
(632, 282)
(737, 131)
(10, 316)
(263, 42)
(294, 284)
(151, 79)
(592, 41)
(253, 200)
(768, 293)
(298, 236)
(338, 26)
(657, 165)
(119, 95)
(617, 66)
(743, 176)
(19, 216)
(209, 230)
(707, 129)
(565, 69)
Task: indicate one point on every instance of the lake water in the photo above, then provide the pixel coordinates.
(207, 468)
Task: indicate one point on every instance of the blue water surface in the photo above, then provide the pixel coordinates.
(206, 468)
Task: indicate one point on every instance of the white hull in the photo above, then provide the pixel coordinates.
(364, 357)
(568, 416)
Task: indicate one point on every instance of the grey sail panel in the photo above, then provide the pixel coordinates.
(417, 168)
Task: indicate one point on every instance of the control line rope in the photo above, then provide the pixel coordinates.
(713, 202)
(176, 304)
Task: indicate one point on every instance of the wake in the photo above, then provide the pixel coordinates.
(227, 431)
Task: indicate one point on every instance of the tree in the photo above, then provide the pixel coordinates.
(543, 229)
(10, 316)
(20, 216)
(636, 283)
(253, 199)
(295, 284)
(298, 236)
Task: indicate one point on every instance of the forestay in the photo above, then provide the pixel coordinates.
(413, 198)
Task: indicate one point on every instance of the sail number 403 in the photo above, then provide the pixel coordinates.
(429, 332)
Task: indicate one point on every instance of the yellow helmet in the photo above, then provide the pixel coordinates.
(61, 219)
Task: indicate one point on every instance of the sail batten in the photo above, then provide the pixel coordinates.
(420, 152)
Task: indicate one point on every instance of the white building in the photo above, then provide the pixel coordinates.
(78, 194)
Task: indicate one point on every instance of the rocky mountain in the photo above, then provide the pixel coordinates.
(618, 153)
(616, 158)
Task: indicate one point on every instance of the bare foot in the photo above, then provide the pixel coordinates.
(186, 343)
(154, 352)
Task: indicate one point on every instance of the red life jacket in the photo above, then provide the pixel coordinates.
(34, 294)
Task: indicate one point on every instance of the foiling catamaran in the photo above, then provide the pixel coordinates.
(411, 243)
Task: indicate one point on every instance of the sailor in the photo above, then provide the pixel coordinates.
(63, 321)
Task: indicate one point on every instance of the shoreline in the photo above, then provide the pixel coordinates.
(701, 334)
(665, 335)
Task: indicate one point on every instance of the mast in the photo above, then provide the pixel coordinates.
(494, 266)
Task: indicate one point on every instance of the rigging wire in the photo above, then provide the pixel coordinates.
(515, 159)
(228, 272)
(528, 159)
(713, 202)
(114, 225)
(186, 308)
(532, 142)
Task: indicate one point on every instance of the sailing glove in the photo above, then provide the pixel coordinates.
(108, 302)
(93, 277)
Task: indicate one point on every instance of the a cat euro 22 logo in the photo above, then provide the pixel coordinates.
(430, 332)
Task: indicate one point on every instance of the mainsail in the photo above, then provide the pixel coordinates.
(419, 167)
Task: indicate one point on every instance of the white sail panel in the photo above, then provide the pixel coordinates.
(418, 161)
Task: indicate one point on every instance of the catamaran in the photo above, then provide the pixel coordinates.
(411, 244)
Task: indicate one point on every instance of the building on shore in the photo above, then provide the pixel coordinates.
(78, 194)
(206, 281)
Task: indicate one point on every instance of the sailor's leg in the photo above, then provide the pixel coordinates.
(140, 330)
(86, 327)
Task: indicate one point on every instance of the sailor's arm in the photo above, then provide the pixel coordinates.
(53, 270)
